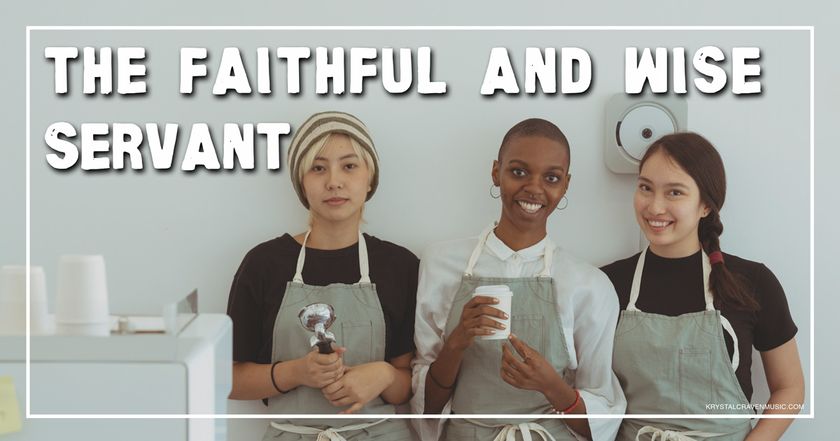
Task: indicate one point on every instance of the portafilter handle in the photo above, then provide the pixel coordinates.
(318, 317)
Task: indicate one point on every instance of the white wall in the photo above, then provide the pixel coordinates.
(166, 233)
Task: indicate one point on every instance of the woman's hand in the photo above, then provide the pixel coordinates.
(475, 320)
(532, 372)
(319, 370)
(359, 385)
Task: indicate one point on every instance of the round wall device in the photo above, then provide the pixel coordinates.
(633, 124)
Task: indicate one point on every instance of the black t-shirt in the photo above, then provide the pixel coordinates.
(675, 286)
(260, 283)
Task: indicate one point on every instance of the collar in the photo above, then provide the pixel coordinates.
(503, 252)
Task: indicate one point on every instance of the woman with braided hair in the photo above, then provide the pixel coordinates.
(690, 313)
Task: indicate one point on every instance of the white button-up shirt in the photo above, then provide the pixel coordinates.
(586, 303)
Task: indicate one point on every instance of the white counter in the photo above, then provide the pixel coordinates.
(124, 375)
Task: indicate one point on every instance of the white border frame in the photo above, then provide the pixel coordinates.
(29, 29)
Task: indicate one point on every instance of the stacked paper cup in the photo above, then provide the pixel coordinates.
(82, 297)
(13, 300)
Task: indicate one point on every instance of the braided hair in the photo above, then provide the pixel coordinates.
(699, 158)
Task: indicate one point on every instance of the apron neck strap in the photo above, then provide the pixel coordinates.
(364, 268)
(707, 291)
(482, 239)
(548, 254)
(637, 282)
(548, 258)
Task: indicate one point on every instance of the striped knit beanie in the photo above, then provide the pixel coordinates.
(314, 129)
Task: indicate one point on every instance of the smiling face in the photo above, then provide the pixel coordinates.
(337, 183)
(668, 207)
(533, 175)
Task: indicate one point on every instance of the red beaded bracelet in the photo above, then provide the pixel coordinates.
(570, 408)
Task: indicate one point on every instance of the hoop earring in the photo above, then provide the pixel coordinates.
(563, 207)
(496, 196)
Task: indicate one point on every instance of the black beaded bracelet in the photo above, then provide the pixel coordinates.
(273, 381)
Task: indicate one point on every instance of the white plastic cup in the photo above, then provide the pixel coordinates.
(505, 297)
(82, 296)
(13, 300)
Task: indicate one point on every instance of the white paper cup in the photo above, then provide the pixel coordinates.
(82, 296)
(13, 300)
(505, 297)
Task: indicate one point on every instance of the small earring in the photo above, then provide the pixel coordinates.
(495, 196)
(564, 206)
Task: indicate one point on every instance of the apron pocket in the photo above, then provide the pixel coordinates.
(357, 337)
(530, 329)
(695, 380)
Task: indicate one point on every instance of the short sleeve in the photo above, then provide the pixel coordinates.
(775, 325)
(402, 341)
(244, 309)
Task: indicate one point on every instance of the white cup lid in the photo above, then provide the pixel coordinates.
(493, 290)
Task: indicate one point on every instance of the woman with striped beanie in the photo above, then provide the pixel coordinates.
(369, 283)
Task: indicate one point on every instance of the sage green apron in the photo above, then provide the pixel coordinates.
(360, 327)
(479, 388)
(678, 365)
